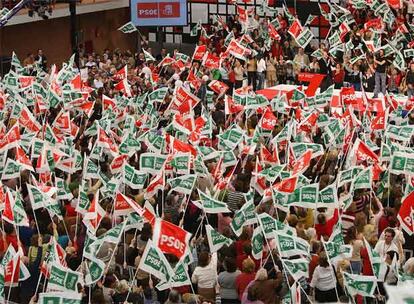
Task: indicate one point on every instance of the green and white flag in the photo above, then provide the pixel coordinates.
(385, 154)
(95, 269)
(347, 176)
(60, 298)
(304, 38)
(360, 285)
(399, 61)
(238, 222)
(402, 163)
(248, 209)
(63, 279)
(337, 251)
(216, 240)
(328, 197)
(297, 268)
(134, 178)
(183, 184)
(211, 205)
(195, 29)
(148, 56)
(154, 262)
(363, 180)
(134, 221)
(11, 170)
(128, 28)
(289, 245)
(152, 162)
(268, 224)
(377, 263)
(305, 197)
(63, 191)
(180, 278)
(92, 170)
(271, 173)
(256, 102)
(157, 95)
(181, 163)
(337, 235)
(257, 243)
(401, 133)
(200, 168)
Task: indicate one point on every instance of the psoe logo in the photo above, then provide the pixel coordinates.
(147, 10)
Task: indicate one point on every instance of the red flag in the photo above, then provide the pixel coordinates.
(380, 121)
(267, 157)
(27, 120)
(26, 81)
(125, 205)
(310, 121)
(11, 139)
(108, 102)
(230, 107)
(374, 23)
(76, 82)
(218, 87)
(211, 61)
(295, 29)
(302, 163)
(395, 4)
(171, 238)
(199, 52)
(118, 163)
(124, 87)
(23, 160)
(269, 120)
(158, 183)
(121, 74)
(363, 153)
(273, 32)
(344, 29)
(287, 185)
(405, 215)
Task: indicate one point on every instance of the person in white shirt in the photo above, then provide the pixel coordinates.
(324, 281)
(205, 275)
(261, 72)
(383, 246)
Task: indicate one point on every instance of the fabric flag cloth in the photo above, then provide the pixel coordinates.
(215, 239)
(60, 297)
(63, 279)
(170, 238)
(179, 279)
(148, 56)
(154, 262)
(360, 285)
(211, 205)
(128, 28)
(406, 214)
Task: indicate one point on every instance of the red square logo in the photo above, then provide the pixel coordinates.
(147, 10)
(169, 9)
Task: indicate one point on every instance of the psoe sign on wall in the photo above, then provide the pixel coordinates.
(159, 13)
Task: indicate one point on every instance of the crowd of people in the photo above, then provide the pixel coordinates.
(163, 177)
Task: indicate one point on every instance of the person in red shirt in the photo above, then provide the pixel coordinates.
(246, 254)
(339, 76)
(248, 274)
(276, 49)
(324, 227)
